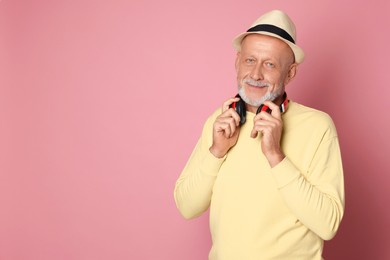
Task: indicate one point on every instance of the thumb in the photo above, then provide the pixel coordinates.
(254, 133)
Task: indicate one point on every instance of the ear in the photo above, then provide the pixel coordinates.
(236, 64)
(291, 73)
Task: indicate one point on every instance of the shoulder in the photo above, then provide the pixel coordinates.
(298, 111)
(309, 118)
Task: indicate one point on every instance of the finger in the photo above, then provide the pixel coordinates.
(275, 108)
(258, 127)
(268, 122)
(264, 116)
(258, 130)
(227, 131)
(231, 123)
(228, 102)
(254, 133)
(231, 113)
(235, 116)
(224, 129)
(262, 124)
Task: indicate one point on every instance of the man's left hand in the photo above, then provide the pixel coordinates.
(270, 127)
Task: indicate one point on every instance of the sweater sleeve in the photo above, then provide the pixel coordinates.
(193, 188)
(317, 196)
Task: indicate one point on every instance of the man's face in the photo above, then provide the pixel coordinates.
(264, 66)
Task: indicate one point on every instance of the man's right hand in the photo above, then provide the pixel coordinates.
(225, 130)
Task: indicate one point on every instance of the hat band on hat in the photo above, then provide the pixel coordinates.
(272, 29)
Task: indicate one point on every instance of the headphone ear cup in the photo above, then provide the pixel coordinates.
(241, 111)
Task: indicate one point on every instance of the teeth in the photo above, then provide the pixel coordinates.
(255, 84)
(259, 86)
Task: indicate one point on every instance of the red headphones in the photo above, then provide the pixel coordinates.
(240, 107)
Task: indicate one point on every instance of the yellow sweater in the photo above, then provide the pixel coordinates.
(261, 213)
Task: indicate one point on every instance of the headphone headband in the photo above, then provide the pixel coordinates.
(240, 107)
(282, 107)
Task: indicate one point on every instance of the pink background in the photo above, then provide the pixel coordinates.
(101, 103)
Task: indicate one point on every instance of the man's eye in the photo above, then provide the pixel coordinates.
(250, 60)
(270, 65)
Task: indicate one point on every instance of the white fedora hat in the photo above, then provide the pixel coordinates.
(277, 24)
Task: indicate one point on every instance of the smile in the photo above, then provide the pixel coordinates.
(256, 84)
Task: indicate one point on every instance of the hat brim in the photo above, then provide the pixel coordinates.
(298, 52)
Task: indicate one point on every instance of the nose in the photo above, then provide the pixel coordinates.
(256, 73)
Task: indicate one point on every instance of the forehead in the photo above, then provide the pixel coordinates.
(264, 44)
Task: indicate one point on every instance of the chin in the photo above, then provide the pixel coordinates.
(257, 101)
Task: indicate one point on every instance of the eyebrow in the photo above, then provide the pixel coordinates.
(266, 58)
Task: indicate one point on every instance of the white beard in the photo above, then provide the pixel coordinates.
(257, 102)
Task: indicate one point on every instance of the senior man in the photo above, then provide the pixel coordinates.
(268, 168)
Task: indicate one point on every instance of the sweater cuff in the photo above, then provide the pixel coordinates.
(211, 164)
(284, 173)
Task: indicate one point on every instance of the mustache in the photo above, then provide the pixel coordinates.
(256, 83)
